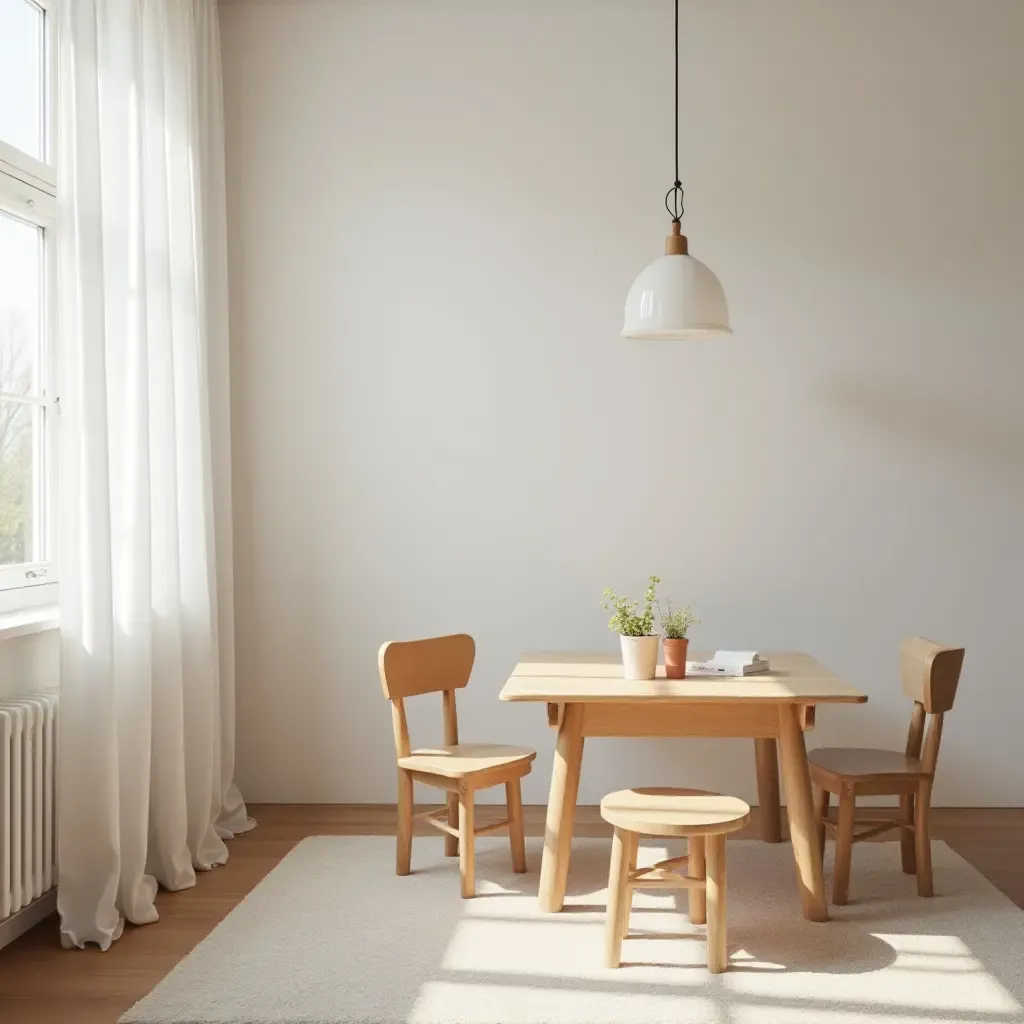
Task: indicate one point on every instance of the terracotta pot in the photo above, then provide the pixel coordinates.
(675, 657)
(639, 656)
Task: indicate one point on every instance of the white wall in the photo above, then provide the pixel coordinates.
(436, 212)
(30, 664)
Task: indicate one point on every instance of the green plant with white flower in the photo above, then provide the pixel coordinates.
(676, 622)
(626, 620)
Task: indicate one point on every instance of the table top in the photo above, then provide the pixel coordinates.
(563, 677)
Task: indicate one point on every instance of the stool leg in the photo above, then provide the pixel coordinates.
(718, 954)
(617, 875)
(697, 868)
(634, 842)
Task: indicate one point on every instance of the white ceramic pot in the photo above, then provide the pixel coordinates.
(639, 656)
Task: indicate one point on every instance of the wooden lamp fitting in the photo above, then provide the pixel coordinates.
(675, 244)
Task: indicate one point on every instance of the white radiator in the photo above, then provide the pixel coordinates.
(28, 763)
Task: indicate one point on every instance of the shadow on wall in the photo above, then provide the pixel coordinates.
(897, 412)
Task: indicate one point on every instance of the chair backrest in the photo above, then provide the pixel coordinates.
(930, 673)
(411, 667)
(408, 668)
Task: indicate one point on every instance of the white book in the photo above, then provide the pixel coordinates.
(736, 657)
(716, 668)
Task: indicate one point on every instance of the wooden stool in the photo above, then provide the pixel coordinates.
(704, 818)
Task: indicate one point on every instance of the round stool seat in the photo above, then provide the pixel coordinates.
(665, 811)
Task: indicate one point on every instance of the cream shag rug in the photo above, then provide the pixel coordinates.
(332, 936)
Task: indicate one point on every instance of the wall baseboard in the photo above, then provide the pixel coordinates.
(28, 917)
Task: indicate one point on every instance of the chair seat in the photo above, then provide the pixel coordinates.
(463, 759)
(857, 761)
(664, 811)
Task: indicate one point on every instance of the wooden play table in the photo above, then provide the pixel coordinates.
(586, 695)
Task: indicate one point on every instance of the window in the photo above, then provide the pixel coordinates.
(28, 401)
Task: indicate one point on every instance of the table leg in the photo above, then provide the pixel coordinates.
(565, 784)
(800, 811)
(767, 760)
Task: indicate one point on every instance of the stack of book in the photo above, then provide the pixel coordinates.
(729, 663)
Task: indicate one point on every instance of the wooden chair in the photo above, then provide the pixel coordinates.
(704, 819)
(443, 665)
(930, 674)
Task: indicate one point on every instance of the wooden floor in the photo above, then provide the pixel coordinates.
(40, 982)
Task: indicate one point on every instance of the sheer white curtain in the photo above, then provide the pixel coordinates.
(147, 709)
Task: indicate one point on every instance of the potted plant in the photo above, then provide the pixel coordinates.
(639, 642)
(676, 623)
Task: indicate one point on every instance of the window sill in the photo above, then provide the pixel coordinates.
(29, 621)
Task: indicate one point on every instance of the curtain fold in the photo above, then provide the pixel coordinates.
(146, 793)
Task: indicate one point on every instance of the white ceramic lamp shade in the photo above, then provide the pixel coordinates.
(676, 297)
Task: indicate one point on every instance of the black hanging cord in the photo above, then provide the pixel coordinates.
(676, 121)
(674, 196)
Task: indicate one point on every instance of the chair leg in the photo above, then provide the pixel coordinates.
(617, 876)
(844, 847)
(923, 840)
(634, 845)
(467, 843)
(822, 803)
(403, 853)
(907, 854)
(514, 803)
(451, 843)
(696, 866)
(718, 952)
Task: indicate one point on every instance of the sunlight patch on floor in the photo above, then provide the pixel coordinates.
(934, 975)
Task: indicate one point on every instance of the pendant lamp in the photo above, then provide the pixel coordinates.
(676, 297)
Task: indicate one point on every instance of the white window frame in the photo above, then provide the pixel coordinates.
(28, 192)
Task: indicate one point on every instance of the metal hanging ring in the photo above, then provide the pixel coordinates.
(674, 202)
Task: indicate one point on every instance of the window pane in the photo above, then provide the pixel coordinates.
(21, 76)
(19, 451)
(21, 261)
